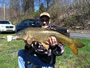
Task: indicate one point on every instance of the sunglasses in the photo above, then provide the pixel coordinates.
(44, 20)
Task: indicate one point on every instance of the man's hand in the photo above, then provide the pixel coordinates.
(52, 41)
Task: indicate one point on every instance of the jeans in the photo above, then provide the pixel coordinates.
(26, 60)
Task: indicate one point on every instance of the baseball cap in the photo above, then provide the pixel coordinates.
(45, 14)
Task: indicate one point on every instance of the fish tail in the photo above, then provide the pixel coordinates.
(78, 44)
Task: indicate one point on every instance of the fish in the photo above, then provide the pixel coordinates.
(42, 34)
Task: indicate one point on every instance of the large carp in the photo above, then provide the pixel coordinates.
(42, 35)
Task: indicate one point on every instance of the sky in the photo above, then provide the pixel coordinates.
(36, 4)
(1, 1)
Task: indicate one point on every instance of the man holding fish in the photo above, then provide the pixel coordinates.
(35, 55)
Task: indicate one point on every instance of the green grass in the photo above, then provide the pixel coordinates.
(9, 50)
(69, 60)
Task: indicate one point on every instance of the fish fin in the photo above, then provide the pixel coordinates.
(46, 46)
(74, 49)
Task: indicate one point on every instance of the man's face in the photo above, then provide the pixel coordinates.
(44, 21)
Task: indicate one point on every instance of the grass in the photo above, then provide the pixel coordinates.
(9, 50)
(69, 60)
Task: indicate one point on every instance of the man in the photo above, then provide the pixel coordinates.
(35, 55)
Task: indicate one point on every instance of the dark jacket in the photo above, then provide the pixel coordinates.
(47, 56)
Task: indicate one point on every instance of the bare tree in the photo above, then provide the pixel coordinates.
(49, 3)
(14, 8)
(28, 6)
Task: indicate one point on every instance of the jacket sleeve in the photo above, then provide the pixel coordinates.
(58, 49)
